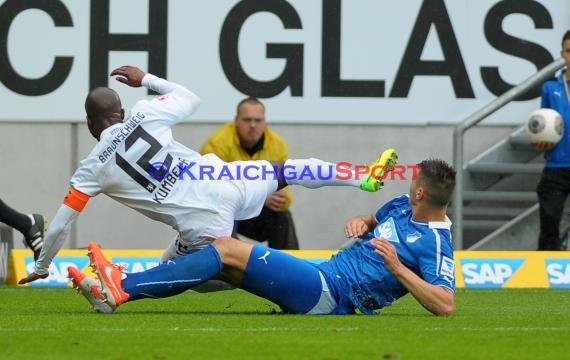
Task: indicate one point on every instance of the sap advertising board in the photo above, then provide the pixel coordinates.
(313, 61)
(474, 269)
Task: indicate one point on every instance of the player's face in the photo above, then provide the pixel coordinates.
(565, 53)
(250, 123)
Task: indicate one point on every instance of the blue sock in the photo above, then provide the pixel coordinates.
(174, 276)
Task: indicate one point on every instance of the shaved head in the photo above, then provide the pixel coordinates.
(103, 108)
(102, 102)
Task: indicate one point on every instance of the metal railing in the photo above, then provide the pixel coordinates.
(6, 245)
(474, 119)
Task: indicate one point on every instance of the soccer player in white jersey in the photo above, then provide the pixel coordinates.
(405, 247)
(138, 163)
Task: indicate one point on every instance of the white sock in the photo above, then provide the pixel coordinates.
(314, 173)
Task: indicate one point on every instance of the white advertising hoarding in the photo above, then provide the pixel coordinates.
(310, 61)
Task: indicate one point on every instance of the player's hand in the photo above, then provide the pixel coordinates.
(129, 75)
(355, 227)
(276, 201)
(388, 252)
(31, 277)
(542, 145)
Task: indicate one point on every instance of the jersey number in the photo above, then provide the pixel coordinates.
(144, 161)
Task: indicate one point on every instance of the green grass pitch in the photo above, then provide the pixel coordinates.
(53, 323)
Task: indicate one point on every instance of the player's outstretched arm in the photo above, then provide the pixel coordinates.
(56, 234)
(181, 104)
(135, 77)
(436, 299)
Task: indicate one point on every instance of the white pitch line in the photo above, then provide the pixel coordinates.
(289, 329)
(196, 330)
(499, 329)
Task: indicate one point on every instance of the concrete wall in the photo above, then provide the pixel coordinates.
(37, 160)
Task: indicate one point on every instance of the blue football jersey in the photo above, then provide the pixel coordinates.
(553, 96)
(425, 248)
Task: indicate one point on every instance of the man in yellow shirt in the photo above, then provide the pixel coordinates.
(249, 138)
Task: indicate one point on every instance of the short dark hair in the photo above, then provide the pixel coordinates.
(249, 100)
(565, 37)
(438, 178)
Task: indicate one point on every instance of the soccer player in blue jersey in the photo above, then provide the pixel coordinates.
(554, 185)
(404, 247)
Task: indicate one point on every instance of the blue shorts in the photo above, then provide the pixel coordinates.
(295, 284)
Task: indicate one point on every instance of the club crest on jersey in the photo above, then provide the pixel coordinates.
(387, 230)
(412, 238)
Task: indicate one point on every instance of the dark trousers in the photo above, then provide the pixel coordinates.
(277, 228)
(552, 191)
(15, 219)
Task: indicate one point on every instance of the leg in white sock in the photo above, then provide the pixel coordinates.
(314, 173)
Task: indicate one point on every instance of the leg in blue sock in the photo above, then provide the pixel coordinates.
(174, 276)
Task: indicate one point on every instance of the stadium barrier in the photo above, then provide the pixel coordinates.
(473, 269)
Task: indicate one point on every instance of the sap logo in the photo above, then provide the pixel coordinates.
(387, 230)
(488, 273)
(558, 271)
(134, 264)
(57, 269)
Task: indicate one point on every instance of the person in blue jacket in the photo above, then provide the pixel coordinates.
(554, 184)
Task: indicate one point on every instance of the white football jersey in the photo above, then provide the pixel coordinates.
(139, 164)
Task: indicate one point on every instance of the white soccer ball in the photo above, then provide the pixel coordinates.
(545, 125)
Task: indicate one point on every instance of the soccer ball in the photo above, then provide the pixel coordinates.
(545, 125)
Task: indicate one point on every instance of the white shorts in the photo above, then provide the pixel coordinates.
(232, 199)
(326, 303)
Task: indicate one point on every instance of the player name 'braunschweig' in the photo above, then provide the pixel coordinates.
(121, 134)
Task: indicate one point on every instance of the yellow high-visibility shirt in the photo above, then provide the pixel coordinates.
(224, 142)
